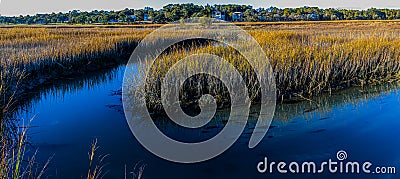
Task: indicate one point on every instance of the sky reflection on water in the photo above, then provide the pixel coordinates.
(68, 117)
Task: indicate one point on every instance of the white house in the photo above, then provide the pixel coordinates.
(237, 16)
(218, 15)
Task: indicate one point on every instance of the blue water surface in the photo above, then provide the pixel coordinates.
(66, 120)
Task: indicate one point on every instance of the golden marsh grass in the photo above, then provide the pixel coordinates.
(43, 52)
(307, 58)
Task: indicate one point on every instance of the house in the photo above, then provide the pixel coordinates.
(218, 15)
(133, 17)
(314, 16)
(62, 19)
(237, 16)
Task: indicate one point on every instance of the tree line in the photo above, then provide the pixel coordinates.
(175, 12)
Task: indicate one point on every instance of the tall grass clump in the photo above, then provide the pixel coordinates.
(310, 62)
(307, 60)
(96, 165)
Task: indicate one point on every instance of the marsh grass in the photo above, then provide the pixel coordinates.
(40, 54)
(137, 172)
(307, 60)
(13, 162)
(96, 165)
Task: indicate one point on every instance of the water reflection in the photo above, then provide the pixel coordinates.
(287, 111)
(59, 87)
(71, 113)
(323, 104)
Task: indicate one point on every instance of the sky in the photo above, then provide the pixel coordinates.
(32, 7)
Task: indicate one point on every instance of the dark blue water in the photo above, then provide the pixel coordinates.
(69, 116)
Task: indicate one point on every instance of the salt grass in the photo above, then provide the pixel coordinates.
(307, 58)
(43, 52)
(313, 59)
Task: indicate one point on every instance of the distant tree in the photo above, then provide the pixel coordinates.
(175, 12)
(250, 15)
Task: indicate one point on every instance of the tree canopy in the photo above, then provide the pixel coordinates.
(175, 12)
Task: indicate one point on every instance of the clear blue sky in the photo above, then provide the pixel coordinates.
(18, 7)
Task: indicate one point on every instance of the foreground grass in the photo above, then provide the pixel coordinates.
(13, 160)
